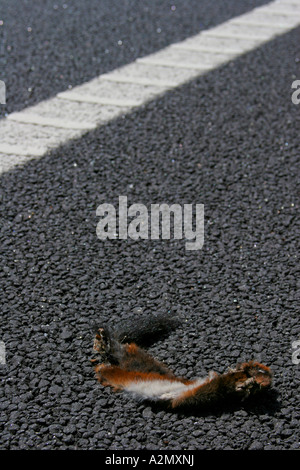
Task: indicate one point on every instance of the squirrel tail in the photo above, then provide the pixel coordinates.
(121, 345)
(144, 330)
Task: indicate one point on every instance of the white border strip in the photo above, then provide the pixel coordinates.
(34, 131)
(31, 118)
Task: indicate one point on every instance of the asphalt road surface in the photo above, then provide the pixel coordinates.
(229, 140)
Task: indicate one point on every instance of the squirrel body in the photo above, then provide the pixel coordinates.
(127, 366)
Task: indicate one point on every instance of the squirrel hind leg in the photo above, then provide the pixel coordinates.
(108, 375)
(107, 347)
(139, 360)
(99, 345)
(129, 357)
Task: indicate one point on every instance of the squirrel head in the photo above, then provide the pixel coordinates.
(251, 377)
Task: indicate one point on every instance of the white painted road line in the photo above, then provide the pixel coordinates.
(32, 132)
(173, 64)
(18, 150)
(49, 122)
(118, 78)
(78, 97)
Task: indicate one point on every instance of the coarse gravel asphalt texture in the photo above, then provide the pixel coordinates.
(228, 140)
(54, 44)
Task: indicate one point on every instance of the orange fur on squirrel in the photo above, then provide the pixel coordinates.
(130, 368)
